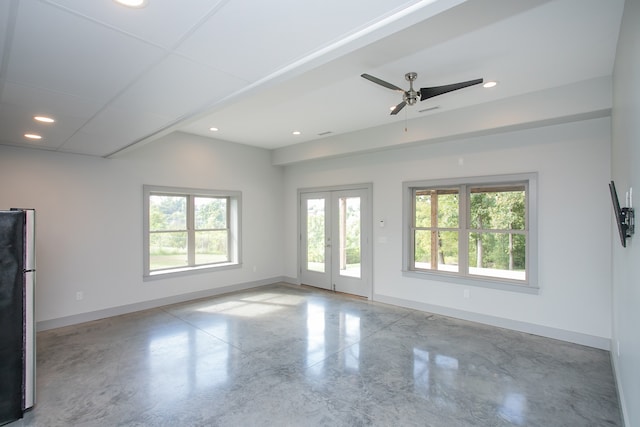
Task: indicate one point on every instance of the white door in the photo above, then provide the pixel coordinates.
(335, 250)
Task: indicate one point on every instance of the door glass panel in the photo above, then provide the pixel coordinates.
(349, 232)
(315, 235)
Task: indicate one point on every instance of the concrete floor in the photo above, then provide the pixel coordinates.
(283, 355)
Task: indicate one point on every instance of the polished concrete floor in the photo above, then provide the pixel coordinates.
(284, 355)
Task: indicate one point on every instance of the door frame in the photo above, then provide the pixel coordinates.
(366, 224)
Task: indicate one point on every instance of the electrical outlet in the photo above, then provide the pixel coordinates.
(79, 295)
(466, 293)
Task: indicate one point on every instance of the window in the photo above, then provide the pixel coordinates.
(479, 231)
(187, 230)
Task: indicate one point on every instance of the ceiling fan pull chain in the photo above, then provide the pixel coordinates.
(405, 120)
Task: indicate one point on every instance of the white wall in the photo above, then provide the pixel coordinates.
(625, 172)
(89, 218)
(574, 223)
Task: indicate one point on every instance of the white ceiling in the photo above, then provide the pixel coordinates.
(115, 78)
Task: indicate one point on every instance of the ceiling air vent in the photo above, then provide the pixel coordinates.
(429, 109)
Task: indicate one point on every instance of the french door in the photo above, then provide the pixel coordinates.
(335, 248)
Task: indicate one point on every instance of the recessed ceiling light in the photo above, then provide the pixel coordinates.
(132, 3)
(490, 84)
(213, 129)
(296, 132)
(32, 136)
(44, 119)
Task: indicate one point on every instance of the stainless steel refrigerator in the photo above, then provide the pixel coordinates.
(17, 326)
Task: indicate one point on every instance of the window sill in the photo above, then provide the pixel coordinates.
(187, 271)
(489, 282)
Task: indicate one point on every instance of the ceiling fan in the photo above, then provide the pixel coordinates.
(411, 96)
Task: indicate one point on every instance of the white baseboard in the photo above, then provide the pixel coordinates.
(621, 399)
(530, 328)
(145, 305)
(291, 280)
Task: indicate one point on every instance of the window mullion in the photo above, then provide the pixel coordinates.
(191, 233)
(229, 228)
(412, 234)
(463, 224)
(435, 231)
(527, 234)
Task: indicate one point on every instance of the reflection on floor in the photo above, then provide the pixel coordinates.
(283, 355)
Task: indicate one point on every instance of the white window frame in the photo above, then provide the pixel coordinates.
(529, 285)
(234, 215)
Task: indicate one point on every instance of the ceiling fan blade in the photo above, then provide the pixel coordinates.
(430, 92)
(397, 108)
(381, 82)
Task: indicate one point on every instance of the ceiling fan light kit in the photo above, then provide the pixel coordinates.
(410, 96)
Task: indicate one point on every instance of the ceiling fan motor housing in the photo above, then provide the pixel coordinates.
(411, 96)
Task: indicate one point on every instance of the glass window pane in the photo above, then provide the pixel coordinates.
(349, 236)
(167, 212)
(448, 210)
(423, 209)
(210, 213)
(497, 255)
(167, 250)
(212, 246)
(497, 208)
(448, 251)
(315, 235)
(422, 253)
(436, 208)
(436, 250)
